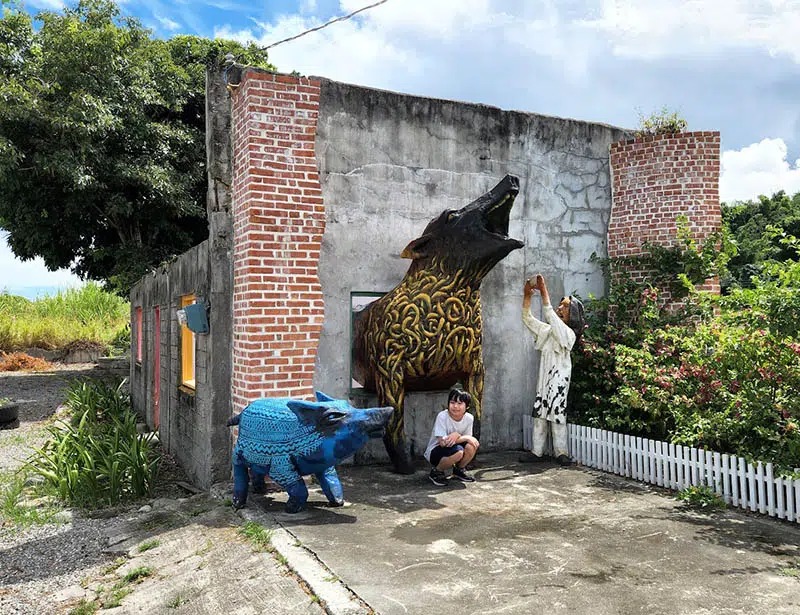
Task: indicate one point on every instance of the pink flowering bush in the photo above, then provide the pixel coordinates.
(724, 374)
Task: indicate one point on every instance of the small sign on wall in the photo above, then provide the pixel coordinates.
(195, 315)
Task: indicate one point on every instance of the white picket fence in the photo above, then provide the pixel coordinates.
(676, 467)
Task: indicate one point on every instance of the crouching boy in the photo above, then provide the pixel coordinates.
(451, 444)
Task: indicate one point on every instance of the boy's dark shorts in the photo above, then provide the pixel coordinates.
(440, 452)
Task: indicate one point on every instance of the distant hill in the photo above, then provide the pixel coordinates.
(32, 292)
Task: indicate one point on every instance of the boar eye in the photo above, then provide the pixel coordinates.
(451, 216)
(333, 417)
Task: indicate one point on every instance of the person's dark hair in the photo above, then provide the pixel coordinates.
(459, 395)
(577, 320)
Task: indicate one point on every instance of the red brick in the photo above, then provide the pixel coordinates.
(278, 221)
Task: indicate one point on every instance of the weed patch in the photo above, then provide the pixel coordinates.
(150, 544)
(177, 601)
(259, 536)
(16, 512)
(137, 574)
(702, 497)
(85, 608)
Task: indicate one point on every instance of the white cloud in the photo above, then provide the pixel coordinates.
(655, 28)
(54, 5)
(167, 23)
(760, 168)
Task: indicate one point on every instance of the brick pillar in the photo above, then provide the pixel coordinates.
(654, 180)
(278, 220)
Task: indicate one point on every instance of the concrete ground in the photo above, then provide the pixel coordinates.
(542, 539)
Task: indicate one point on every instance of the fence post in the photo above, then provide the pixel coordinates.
(779, 505)
(734, 481)
(762, 499)
(743, 483)
(769, 484)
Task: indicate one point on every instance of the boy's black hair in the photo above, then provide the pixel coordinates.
(459, 395)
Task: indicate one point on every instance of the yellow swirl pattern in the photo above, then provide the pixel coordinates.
(429, 326)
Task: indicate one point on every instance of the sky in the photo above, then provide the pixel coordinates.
(726, 65)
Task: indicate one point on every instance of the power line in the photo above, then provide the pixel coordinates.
(230, 59)
(325, 25)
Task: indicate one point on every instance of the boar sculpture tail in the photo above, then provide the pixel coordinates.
(234, 420)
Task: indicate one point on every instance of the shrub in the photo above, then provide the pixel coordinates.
(727, 380)
(661, 123)
(97, 458)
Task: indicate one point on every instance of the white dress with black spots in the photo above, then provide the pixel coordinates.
(554, 340)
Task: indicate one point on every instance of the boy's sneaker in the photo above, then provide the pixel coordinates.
(438, 478)
(462, 475)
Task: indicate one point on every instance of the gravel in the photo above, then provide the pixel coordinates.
(37, 562)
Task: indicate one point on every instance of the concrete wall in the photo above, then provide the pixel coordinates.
(192, 422)
(186, 415)
(390, 162)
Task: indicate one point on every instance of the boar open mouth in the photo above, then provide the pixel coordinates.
(376, 432)
(496, 216)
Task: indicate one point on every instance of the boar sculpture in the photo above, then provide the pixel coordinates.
(425, 334)
(289, 438)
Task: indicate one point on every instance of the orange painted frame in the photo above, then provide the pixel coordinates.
(187, 349)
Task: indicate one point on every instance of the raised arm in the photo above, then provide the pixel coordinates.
(542, 289)
(535, 326)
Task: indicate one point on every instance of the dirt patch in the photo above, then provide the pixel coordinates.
(19, 361)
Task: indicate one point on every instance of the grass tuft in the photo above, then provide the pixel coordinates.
(150, 544)
(259, 536)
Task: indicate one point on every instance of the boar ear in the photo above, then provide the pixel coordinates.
(322, 397)
(307, 411)
(417, 248)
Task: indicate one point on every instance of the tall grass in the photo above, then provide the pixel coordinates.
(86, 315)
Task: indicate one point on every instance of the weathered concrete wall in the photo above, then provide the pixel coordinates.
(390, 162)
(186, 424)
(220, 264)
(192, 422)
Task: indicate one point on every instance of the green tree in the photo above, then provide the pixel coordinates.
(102, 139)
(748, 224)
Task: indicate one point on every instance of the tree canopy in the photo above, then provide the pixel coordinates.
(102, 139)
(749, 224)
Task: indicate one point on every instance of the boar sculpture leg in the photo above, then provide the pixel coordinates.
(288, 439)
(426, 333)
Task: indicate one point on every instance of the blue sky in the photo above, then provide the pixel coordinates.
(727, 65)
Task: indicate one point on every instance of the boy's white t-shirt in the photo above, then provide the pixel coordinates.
(445, 425)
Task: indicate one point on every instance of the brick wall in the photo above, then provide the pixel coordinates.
(654, 180)
(278, 220)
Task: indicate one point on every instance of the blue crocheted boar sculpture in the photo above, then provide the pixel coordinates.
(289, 438)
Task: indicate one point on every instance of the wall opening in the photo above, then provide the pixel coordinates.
(188, 348)
(139, 335)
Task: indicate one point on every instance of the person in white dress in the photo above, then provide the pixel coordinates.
(554, 338)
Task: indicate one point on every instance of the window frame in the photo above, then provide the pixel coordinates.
(139, 334)
(188, 349)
